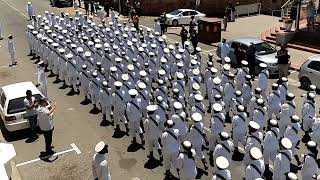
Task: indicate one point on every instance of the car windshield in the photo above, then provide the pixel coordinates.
(264, 48)
(17, 105)
(176, 12)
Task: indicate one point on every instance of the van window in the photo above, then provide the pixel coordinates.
(17, 105)
(2, 99)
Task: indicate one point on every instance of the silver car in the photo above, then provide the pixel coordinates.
(264, 52)
(310, 72)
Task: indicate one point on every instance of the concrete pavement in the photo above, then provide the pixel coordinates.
(74, 124)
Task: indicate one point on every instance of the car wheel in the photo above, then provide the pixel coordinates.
(175, 23)
(305, 83)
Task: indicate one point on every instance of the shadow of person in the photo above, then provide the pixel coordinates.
(105, 123)
(170, 177)
(95, 110)
(201, 172)
(118, 134)
(152, 163)
(134, 147)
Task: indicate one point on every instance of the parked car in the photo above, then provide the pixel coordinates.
(310, 72)
(265, 53)
(12, 108)
(63, 3)
(182, 16)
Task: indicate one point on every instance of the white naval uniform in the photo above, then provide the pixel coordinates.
(308, 115)
(285, 120)
(187, 167)
(222, 175)
(271, 145)
(239, 128)
(315, 134)
(42, 80)
(94, 89)
(72, 74)
(263, 82)
(224, 50)
(100, 167)
(196, 138)
(84, 82)
(309, 167)
(229, 91)
(180, 124)
(217, 126)
(152, 132)
(259, 116)
(119, 104)
(225, 149)
(292, 133)
(282, 165)
(12, 51)
(134, 116)
(253, 140)
(105, 100)
(255, 170)
(274, 104)
(171, 143)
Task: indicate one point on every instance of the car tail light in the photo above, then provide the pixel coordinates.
(10, 118)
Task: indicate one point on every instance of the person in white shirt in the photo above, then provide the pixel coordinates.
(45, 123)
(31, 104)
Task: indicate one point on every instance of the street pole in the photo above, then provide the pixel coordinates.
(298, 16)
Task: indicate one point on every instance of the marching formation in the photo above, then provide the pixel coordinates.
(163, 95)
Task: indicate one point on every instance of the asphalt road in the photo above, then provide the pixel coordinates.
(74, 124)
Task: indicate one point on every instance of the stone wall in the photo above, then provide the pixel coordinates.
(209, 7)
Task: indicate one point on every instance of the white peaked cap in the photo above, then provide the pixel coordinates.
(286, 143)
(222, 162)
(196, 117)
(177, 105)
(99, 147)
(118, 84)
(226, 67)
(256, 153)
(217, 107)
(254, 125)
(142, 85)
(152, 108)
(216, 80)
(198, 97)
(133, 92)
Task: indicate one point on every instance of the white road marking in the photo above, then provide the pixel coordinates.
(3, 67)
(74, 148)
(70, 109)
(15, 9)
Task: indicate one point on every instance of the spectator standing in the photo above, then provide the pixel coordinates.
(30, 103)
(192, 24)
(100, 164)
(86, 7)
(92, 10)
(106, 7)
(135, 21)
(163, 25)
(184, 35)
(251, 59)
(283, 56)
(75, 5)
(311, 13)
(225, 23)
(138, 7)
(194, 38)
(46, 123)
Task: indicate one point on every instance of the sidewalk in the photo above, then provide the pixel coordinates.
(15, 173)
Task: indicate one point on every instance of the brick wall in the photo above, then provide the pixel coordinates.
(209, 7)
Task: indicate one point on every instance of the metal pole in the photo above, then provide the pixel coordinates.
(298, 16)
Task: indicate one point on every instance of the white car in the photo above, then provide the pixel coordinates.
(182, 16)
(310, 72)
(12, 108)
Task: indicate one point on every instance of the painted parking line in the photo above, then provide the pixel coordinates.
(15, 8)
(74, 148)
